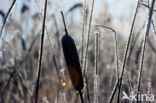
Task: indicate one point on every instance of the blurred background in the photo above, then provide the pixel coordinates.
(19, 48)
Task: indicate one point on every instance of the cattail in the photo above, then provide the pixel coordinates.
(72, 60)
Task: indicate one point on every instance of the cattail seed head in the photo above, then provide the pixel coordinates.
(72, 62)
(72, 59)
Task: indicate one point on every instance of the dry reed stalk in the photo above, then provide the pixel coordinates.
(134, 42)
(151, 45)
(88, 38)
(57, 32)
(40, 54)
(83, 30)
(6, 17)
(96, 76)
(96, 53)
(86, 51)
(144, 45)
(154, 29)
(113, 92)
(51, 47)
(126, 52)
(147, 6)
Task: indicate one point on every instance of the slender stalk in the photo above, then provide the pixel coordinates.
(87, 88)
(114, 91)
(81, 96)
(147, 6)
(144, 44)
(134, 42)
(40, 54)
(88, 38)
(96, 77)
(96, 52)
(154, 28)
(86, 51)
(83, 30)
(57, 32)
(151, 45)
(7, 15)
(64, 23)
(126, 52)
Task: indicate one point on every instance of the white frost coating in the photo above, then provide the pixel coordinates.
(96, 88)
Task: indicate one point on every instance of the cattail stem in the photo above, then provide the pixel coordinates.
(7, 15)
(81, 96)
(65, 27)
(40, 54)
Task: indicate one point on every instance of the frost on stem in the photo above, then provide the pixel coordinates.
(96, 88)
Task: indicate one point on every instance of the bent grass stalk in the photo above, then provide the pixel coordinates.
(116, 58)
(115, 46)
(40, 54)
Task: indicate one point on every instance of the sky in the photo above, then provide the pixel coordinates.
(117, 8)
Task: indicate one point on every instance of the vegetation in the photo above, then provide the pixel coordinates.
(92, 63)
